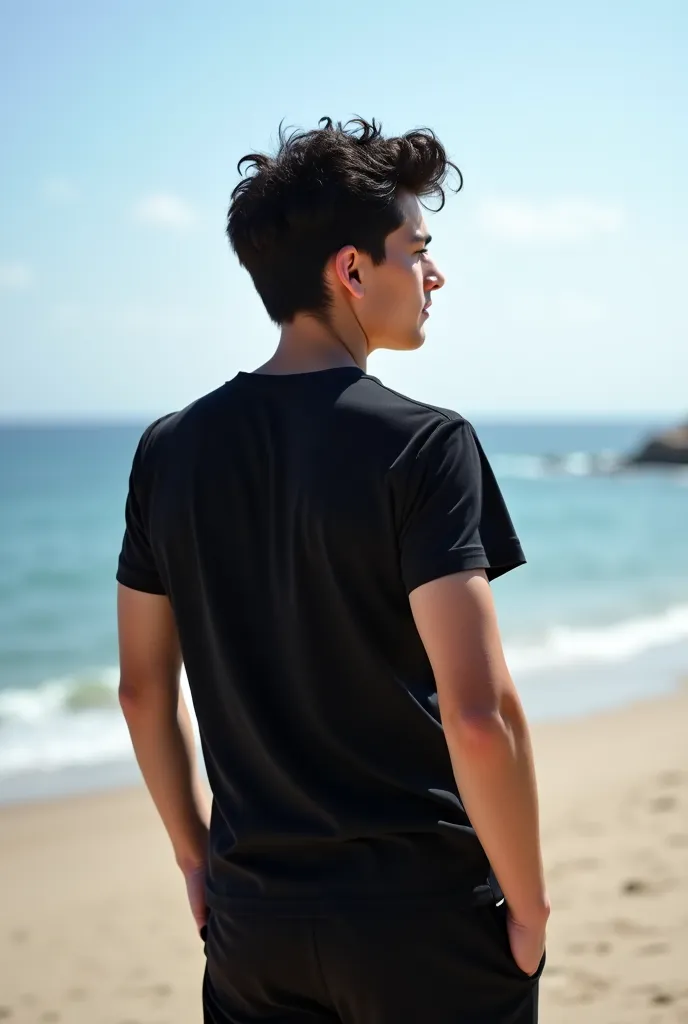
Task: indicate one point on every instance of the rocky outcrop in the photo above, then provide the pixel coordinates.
(667, 449)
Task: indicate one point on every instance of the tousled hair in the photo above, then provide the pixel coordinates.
(334, 186)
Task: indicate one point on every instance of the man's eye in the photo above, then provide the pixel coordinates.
(421, 252)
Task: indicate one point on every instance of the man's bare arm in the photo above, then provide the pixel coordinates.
(486, 733)
(159, 722)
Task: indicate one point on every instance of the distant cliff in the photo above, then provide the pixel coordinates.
(669, 448)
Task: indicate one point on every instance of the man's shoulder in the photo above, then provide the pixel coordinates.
(173, 426)
(401, 410)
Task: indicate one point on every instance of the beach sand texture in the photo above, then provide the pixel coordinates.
(95, 929)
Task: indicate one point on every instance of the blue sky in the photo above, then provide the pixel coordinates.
(566, 253)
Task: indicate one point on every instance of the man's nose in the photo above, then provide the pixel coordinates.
(434, 279)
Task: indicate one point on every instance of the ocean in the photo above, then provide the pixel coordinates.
(598, 617)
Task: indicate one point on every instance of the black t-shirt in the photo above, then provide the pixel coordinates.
(287, 519)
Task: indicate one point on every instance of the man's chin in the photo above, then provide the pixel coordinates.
(408, 343)
(413, 341)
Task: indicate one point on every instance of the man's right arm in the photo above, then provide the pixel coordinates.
(489, 745)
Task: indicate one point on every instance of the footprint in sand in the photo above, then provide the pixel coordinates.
(653, 949)
(671, 780)
(641, 887)
(661, 804)
(624, 927)
(635, 887)
(660, 997)
(162, 990)
(5, 1012)
(657, 995)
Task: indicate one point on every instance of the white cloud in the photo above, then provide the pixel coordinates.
(164, 210)
(15, 276)
(559, 220)
(60, 191)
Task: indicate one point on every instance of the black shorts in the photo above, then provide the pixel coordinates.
(401, 964)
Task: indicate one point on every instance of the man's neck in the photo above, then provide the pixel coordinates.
(308, 346)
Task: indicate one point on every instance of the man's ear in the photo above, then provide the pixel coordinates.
(346, 268)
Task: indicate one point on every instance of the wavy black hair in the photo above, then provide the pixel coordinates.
(333, 186)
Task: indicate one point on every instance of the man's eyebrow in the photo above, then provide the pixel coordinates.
(418, 237)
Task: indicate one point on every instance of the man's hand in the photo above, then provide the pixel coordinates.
(527, 944)
(195, 890)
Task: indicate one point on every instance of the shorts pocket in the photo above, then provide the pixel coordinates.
(496, 917)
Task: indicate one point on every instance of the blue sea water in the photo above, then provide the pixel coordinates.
(598, 617)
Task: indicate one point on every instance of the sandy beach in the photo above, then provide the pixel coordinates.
(95, 926)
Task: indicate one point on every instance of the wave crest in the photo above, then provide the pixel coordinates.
(76, 722)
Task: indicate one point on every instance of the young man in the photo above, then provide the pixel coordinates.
(317, 549)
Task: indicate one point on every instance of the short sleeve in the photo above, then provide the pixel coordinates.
(137, 569)
(453, 516)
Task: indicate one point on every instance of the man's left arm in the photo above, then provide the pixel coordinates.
(161, 731)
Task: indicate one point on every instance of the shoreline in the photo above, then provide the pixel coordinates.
(95, 914)
(550, 696)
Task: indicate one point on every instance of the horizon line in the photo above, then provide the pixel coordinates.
(64, 420)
